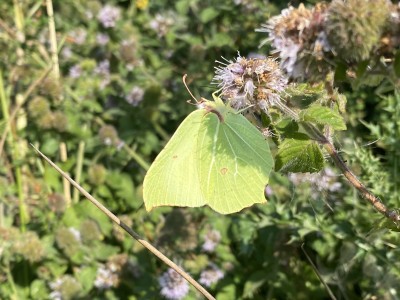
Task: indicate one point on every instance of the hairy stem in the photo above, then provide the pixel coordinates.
(317, 135)
(354, 181)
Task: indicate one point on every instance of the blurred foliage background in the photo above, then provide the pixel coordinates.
(104, 116)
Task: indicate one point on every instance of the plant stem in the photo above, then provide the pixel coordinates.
(15, 154)
(66, 184)
(316, 134)
(136, 157)
(28, 92)
(53, 39)
(132, 233)
(11, 281)
(78, 169)
(354, 181)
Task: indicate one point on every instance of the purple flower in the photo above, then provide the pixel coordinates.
(103, 68)
(326, 180)
(211, 275)
(173, 285)
(75, 71)
(102, 39)
(105, 278)
(211, 240)
(66, 53)
(108, 15)
(79, 36)
(251, 82)
(135, 96)
(268, 191)
(161, 24)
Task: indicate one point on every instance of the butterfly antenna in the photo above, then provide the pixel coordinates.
(184, 82)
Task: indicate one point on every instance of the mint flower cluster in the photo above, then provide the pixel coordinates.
(311, 42)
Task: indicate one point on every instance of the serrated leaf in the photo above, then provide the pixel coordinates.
(324, 116)
(299, 155)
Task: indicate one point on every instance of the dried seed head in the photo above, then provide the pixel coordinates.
(298, 35)
(97, 174)
(38, 107)
(355, 27)
(109, 135)
(90, 231)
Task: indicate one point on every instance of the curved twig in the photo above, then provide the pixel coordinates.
(129, 230)
(354, 181)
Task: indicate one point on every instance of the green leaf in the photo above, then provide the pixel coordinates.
(208, 14)
(228, 292)
(216, 158)
(104, 251)
(324, 116)
(86, 276)
(38, 289)
(253, 283)
(85, 209)
(299, 155)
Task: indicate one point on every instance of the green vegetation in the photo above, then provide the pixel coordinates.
(97, 87)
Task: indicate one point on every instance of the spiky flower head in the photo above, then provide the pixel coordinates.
(298, 36)
(173, 285)
(354, 27)
(253, 82)
(211, 275)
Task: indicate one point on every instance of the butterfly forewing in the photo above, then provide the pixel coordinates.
(173, 177)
